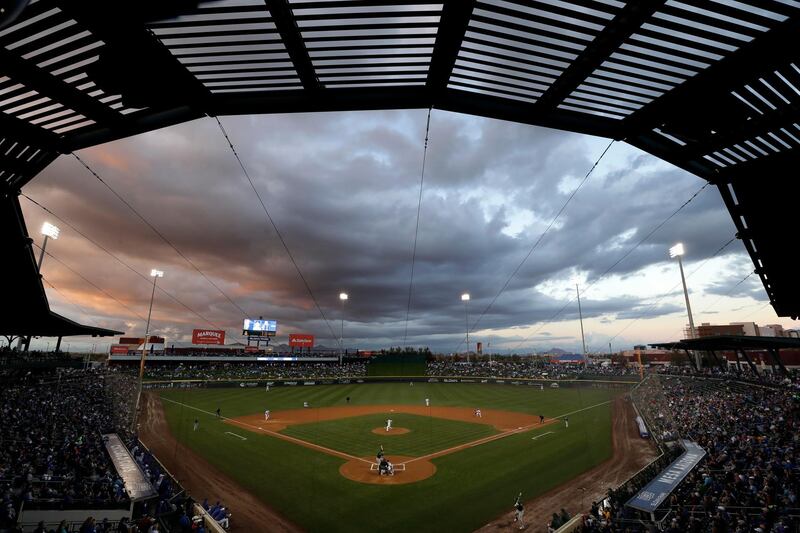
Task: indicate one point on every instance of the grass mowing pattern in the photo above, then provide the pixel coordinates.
(354, 435)
(470, 487)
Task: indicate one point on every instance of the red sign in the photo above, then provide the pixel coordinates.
(251, 349)
(300, 340)
(208, 336)
(120, 349)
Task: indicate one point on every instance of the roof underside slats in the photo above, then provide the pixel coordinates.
(710, 86)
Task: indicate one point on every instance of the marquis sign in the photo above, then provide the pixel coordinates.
(208, 336)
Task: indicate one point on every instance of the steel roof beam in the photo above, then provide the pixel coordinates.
(285, 23)
(616, 32)
(452, 27)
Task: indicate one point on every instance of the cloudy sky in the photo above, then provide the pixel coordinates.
(343, 190)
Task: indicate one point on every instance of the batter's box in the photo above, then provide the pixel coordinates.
(397, 468)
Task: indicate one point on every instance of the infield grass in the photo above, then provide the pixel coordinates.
(470, 488)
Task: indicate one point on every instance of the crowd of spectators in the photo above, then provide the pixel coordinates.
(531, 368)
(748, 481)
(745, 373)
(221, 371)
(52, 449)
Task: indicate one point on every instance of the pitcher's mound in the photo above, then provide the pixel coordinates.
(391, 432)
(417, 470)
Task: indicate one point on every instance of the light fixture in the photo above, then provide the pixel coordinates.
(465, 297)
(49, 230)
(343, 296)
(156, 273)
(676, 251)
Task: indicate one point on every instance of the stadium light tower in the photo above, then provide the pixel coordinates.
(678, 251)
(343, 297)
(50, 232)
(155, 274)
(580, 316)
(465, 299)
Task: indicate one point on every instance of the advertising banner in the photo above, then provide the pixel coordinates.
(301, 340)
(251, 349)
(208, 336)
(654, 493)
(121, 349)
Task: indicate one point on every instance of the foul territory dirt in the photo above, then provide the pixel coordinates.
(203, 480)
(631, 454)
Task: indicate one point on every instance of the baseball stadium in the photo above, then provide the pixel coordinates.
(388, 266)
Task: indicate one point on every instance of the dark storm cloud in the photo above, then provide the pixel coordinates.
(343, 189)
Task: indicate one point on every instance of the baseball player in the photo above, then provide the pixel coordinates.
(566, 421)
(389, 424)
(519, 511)
(218, 414)
(267, 389)
(427, 402)
(478, 413)
(541, 419)
(266, 414)
(379, 456)
(305, 404)
(196, 424)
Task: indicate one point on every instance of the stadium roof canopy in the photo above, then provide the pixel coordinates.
(738, 344)
(712, 87)
(25, 310)
(731, 342)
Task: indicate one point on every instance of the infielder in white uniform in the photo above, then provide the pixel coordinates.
(427, 402)
(388, 424)
(266, 414)
(478, 413)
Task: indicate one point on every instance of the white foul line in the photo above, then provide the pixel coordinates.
(235, 435)
(305, 443)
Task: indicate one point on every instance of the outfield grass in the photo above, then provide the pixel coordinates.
(470, 487)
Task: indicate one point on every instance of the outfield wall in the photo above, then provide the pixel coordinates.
(519, 382)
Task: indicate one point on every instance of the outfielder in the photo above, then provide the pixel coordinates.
(566, 421)
(427, 402)
(196, 424)
(519, 511)
(266, 414)
(388, 424)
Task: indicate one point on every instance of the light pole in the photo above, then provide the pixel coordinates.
(343, 297)
(155, 274)
(465, 299)
(678, 251)
(580, 316)
(49, 231)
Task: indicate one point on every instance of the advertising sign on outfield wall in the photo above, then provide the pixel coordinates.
(301, 340)
(208, 336)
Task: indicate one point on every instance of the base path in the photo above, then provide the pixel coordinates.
(279, 420)
(203, 480)
(631, 454)
(392, 432)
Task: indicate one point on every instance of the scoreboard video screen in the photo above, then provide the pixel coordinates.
(260, 328)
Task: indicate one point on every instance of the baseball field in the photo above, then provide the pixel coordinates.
(312, 468)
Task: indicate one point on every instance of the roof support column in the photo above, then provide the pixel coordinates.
(753, 367)
(691, 360)
(777, 358)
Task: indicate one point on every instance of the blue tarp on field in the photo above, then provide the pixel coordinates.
(650, 497)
